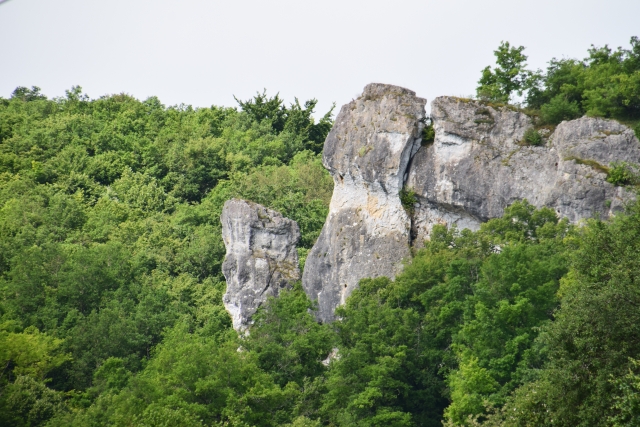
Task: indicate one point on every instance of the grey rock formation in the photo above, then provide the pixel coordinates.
(367, 231)
(261, 257)
(479, 164)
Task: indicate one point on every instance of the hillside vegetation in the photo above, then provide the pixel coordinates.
(111, 291)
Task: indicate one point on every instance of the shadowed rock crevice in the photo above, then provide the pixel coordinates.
(261, 257)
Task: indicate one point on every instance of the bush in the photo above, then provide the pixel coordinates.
(559, 109)
(428, 135)
(408, 199)
(623, 173)
(532, 137)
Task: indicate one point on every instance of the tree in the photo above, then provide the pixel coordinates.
(294, 122)
(287, 340)
(509, 76)
(261, 108)
(596, 332)
(25, 359)
(604, 84)
(26, 94)
(515, 296)
(110, 236)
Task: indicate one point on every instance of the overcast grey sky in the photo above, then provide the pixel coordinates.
(203, 52)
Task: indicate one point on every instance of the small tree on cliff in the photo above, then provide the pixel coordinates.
(509, 75)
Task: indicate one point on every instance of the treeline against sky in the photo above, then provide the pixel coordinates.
(604, 84)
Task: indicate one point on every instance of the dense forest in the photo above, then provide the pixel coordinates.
(111, 287)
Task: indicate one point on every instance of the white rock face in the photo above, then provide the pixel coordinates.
(367, 232)
(261, 257)
(479, 164)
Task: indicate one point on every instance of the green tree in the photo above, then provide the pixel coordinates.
(26, 358)
(287, 340)
(295, 122)
(380, 375)
(626, 406)
(593, 336)
(508, 77)
(516, 294)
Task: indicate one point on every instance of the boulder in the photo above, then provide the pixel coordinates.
(261, 257)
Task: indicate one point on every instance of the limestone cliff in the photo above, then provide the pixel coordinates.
(261, 257)
(367, 231)
(478, 164)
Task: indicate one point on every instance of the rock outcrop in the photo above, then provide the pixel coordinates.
(261, 257)
(367, 232)
(480, 163)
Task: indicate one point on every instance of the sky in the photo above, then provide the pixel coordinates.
(203, 52)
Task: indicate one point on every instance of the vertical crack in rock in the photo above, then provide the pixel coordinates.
(413, 231)
(367, 232)
(479, 164)
(261, 257)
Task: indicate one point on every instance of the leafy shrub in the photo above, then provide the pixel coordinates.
(627, 403)
(559, 109)
(532, 137)
(604, 84)
(509, 76)
(408, 199)
(110, 235)
(428, 135)
(623, 173)
(595, 332)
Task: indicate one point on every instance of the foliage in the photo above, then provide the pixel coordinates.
(28, 402)
(515, 295)
(626, 404)
(286, 339)
(605, 84)
(408, 199)
(428, 134)
(381, 376)
(26, 358)
(110, 237)
(406, 347)
(29, 352)
(584, 381)
(532, 137)
(623, 173)
(559, 109)
(509, 76)
(295, 120)
(111, 288)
